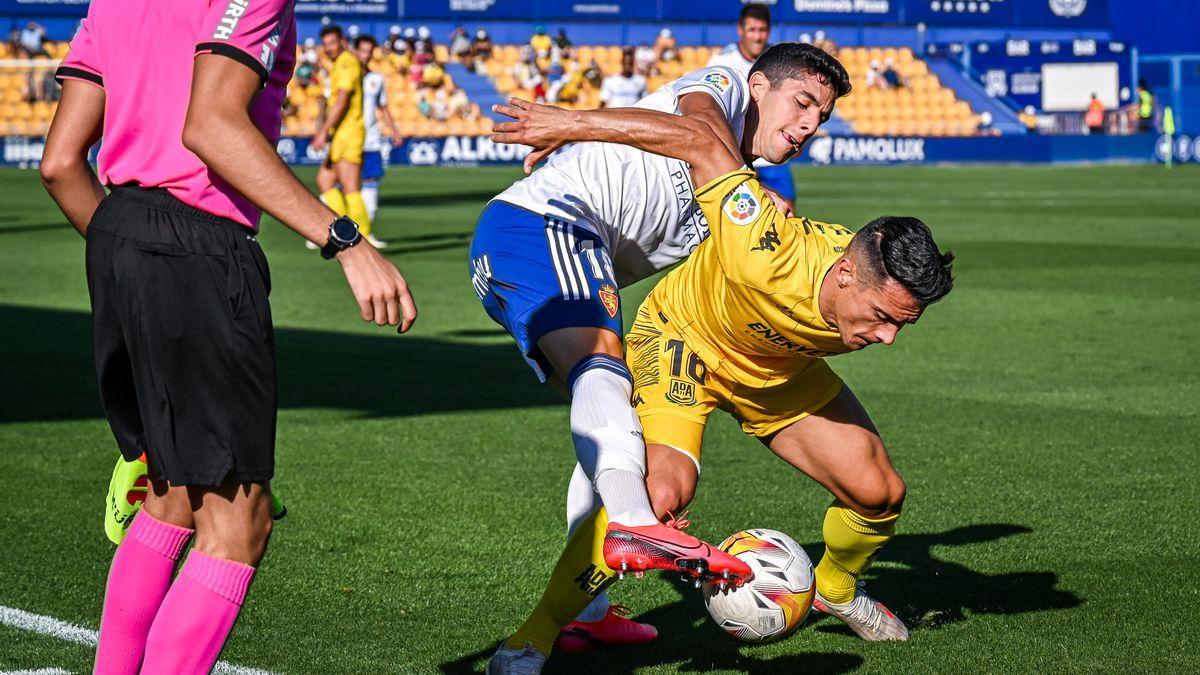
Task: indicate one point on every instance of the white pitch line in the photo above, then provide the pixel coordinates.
(48, 625)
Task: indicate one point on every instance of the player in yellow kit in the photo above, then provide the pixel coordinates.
(745, 325)
(344, 132)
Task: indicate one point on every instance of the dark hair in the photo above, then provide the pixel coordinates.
(332, 28)
(755, 11)
(902, 248)
(790, 60)
(365, 38)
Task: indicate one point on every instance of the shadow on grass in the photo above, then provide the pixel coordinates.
(48, 373)
(923, 590)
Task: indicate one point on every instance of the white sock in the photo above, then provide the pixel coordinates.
(370, 197)
(608, 437)
(582, 500)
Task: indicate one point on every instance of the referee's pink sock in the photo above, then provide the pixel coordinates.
(137, 582)
(197, 615)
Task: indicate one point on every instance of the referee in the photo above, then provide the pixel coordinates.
(187, 97)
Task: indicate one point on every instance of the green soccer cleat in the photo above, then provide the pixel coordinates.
(126, 492)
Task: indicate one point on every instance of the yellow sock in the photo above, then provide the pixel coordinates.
(356, 208)
(851, 544)
(335, 201)
(578, 577)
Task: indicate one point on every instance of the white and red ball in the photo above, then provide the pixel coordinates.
(773, 604)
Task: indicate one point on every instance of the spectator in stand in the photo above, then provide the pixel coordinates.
(395, 34)
(644, 60)
(820, 41)
(33, 38)
(433, 75)
(875, 76)
(481, 50)
(753, 31)
(424, 106)
(805, 38)
(460, 46)
(14, 43)
(540, 42)
(1029, 118)
(421, 58)
(306, 71)
(562, 41)
(568, 87)
(400, 57)
(1094, 117)
(624, 89)
(423, 33)
(891, 76)
(664, 44)
(1145, 108)
(593, 75)
(352, 32)
(529, 76)
(460, 105)
(441, 108)
(410, 38)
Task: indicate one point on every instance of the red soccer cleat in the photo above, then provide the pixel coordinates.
(613, 630)
(667, 547)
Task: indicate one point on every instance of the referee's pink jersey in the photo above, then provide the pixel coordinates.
(141, 52)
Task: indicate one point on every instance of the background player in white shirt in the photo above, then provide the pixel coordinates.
(374, 110)
(550, 253)
(624, 89)
(754, 31)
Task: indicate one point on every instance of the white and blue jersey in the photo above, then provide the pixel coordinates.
(553, 250)
(775, 176)
(374, 97)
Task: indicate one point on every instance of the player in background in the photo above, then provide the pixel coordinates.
(339, 179)
(624, 89)
(754, 32)
(374, 109)
(551, 252)
(190, 113)
(745, 325)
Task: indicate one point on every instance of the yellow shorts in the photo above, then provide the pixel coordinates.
(346, 147)
(674, 392)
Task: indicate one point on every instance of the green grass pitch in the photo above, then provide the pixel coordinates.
(1044, 416)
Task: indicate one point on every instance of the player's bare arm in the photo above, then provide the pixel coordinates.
(386, 116)
(333, 117)
(689, 139)
(220, 131)
(66, 173)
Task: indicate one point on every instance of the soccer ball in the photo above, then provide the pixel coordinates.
(777, 600)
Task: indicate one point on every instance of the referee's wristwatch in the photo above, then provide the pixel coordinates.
(343, 233)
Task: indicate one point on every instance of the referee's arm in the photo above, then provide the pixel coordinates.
(219, 130)
(68, 177)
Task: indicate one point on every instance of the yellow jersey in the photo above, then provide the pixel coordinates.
(747, 299)
(347, 75)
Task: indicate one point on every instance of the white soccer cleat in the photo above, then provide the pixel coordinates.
(377, 243)
(523, 661)
(871, 619)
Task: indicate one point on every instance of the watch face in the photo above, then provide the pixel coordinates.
(345, 230)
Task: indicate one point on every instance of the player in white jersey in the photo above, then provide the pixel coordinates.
(374, 110)
(754, 31)
(551, 252)
(624, 89)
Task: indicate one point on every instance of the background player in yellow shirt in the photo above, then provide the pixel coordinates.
(343, 131)
(745, 324)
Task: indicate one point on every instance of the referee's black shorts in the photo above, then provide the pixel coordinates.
(185, 350)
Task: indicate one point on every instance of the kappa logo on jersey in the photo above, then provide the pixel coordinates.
(592, 580)
(768, 241)
(741, 206)
(608, 295)
(718, 81)
(682, 392)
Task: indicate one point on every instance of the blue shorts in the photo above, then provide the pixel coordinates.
(778, 178)
(372, 166)
(536, 274)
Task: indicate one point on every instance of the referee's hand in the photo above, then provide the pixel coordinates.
(379, 288)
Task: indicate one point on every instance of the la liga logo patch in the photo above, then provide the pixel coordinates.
(718, 81)
(741, 206)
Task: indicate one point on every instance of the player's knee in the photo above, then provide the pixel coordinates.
(877, 493)
(669, 497)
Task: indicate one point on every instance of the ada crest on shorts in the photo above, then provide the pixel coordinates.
(718, 81)
(742, 207)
